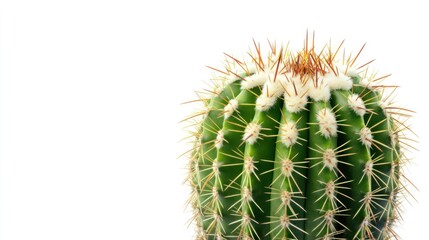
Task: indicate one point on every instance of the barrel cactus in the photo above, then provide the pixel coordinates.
(296, 145)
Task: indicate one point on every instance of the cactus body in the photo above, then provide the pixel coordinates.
(295, 146)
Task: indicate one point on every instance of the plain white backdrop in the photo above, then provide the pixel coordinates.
(90, 95)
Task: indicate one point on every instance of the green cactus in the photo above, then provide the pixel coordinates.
(296, 146)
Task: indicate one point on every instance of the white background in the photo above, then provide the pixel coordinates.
(90, 93)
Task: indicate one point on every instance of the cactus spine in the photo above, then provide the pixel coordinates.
(296, 146)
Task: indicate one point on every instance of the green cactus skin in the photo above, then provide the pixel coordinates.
(296, 146)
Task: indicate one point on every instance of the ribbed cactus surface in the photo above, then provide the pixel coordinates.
(296, 145)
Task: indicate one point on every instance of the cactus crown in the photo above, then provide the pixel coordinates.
(296, 146)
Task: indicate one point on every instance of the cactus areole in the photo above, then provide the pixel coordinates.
(296, 145)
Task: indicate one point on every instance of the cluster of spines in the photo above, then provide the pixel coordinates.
(251, 150)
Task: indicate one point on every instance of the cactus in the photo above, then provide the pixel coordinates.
(300, 145)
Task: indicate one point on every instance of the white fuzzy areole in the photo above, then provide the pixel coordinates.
(369, 165)
(219, 139)
(215, 167)
(327, 122)
(274, 85)
(339, 81)
(264, 102)
(329, 217)
(230, 108)
(347, 70)
(366, 82)
(296, 94)
(393, 138)
(287, 167)
(366, 136)
(286, 197)
(218, 89)
(250, 67)
(329, 159)
(231, 78)
(246, 194)
(356, 104)
(288, 133)
(322, 92)
(295, 103)
(251, 133)
(254, 80)
(285, 221)
(330, 190)
(235, 69)
(215, 193)
(246, 219)
(249, 165)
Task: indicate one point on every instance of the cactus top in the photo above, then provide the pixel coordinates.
(297, 77)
